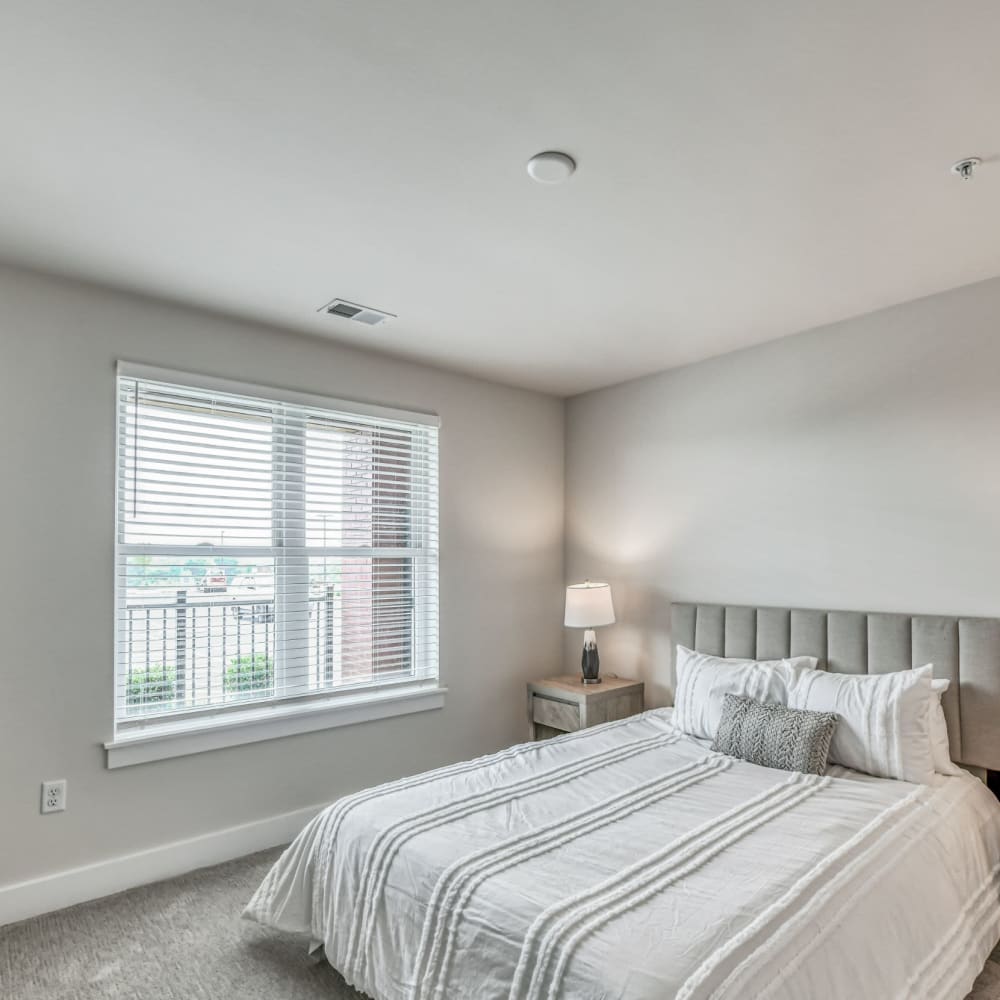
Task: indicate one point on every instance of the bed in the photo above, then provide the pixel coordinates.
(629, 861)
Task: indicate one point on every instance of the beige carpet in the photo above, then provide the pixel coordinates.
(184, 940)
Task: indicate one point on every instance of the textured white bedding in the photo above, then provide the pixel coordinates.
(629, 861)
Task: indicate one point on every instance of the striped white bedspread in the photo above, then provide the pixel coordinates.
(628, 861)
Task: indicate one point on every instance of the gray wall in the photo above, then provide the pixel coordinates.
(855, 466)
(501, 574)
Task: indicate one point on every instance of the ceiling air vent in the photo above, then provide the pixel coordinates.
(351, 310)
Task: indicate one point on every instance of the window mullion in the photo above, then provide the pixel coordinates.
(291, 580)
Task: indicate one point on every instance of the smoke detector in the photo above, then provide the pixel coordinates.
(353, 311)
(551, 167)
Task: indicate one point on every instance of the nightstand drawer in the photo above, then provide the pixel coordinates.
(560, 715)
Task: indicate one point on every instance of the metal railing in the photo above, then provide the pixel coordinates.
(201, 650)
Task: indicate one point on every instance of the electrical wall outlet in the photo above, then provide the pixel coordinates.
(54, 796)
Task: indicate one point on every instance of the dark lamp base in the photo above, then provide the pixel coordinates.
(590, 662)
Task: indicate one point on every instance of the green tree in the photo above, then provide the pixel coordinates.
(248, 676)
(150, 686)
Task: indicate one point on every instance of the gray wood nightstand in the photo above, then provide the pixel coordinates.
(565, 704)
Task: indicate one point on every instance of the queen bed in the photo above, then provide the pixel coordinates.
(631, 861)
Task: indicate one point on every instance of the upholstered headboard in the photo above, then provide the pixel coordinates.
(965, 650)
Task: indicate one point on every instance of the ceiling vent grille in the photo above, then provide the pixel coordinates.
(343, 309)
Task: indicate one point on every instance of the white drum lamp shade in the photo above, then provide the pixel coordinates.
(588, 605)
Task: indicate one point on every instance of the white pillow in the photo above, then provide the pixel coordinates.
(703, 681)
(940, 744)
(884, 726)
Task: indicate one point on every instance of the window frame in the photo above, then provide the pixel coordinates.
(203, 728)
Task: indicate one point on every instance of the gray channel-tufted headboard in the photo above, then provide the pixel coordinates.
(965, 650)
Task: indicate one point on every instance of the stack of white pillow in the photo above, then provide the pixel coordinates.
(891, 725)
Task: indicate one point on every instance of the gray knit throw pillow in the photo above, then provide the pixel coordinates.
(775, 736)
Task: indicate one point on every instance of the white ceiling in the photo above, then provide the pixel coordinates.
(746, 170)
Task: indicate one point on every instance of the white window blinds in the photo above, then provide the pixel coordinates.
(268, 549)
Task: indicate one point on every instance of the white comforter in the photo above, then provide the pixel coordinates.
(629, 861)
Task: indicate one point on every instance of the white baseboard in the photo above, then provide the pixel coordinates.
(20, 900)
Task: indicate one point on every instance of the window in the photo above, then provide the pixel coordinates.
(274, 551)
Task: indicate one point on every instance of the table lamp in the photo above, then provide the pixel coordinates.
(587, 606)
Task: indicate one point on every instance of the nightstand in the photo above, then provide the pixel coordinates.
(565, 704)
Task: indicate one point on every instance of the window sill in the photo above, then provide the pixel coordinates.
(267, 723)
